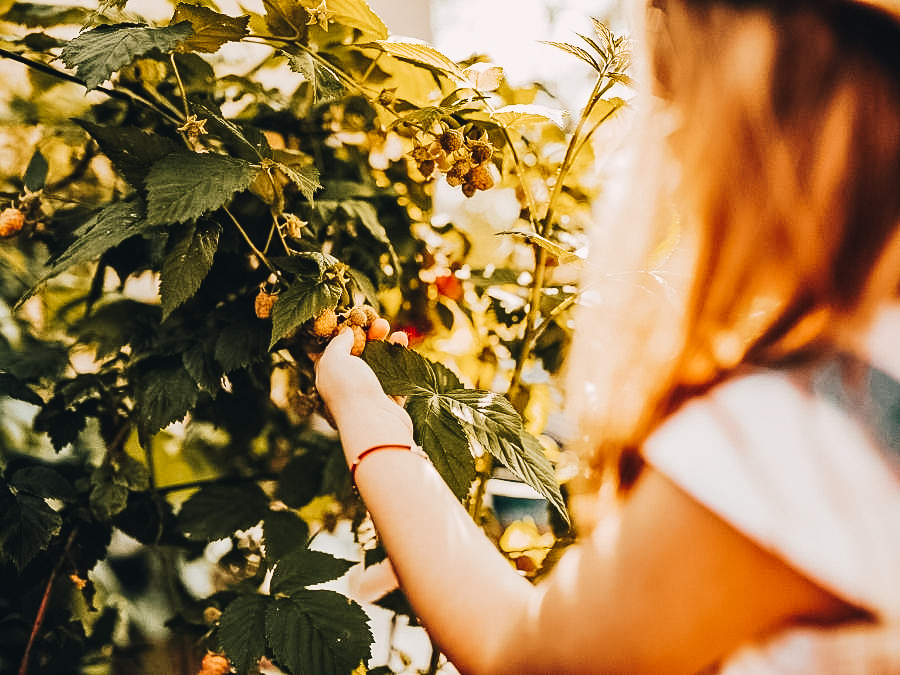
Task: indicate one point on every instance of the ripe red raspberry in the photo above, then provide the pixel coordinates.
(11, 222)
(480, 177)
(359, 340)
(214, 664)
(451, 140)
(371, 313)
(325, 323)
(264, 303)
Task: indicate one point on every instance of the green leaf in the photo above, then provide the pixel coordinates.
(43, 482)
(422, 54)
(283, 532)
(444, 441)
(187, 264)
(113, 481)
(242, 140)
(36, 173)
(303, 300)
(217, 511)
(184, 186)
(27, 526)
(108, 228)
(132, 151)
(305, 178)
(164, 393)
(242, 631)
(242, 341)
(318, 632)
(98, 53)
(12, 386)
(211, 29)
(303, 568)
(367, 214)
(326, 83)
(358, 14)
(563, 255)
(40, 15)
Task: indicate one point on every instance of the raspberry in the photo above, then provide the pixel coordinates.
(420, 153)
(214, 664)
(371, 313)
(457, 171)
(358, 317)
(481, 151)
(451, 140)
(426, 167)
(264, 303)
(469, 189)
(480, 177)
(212, 614)
(359, 340)
(325, 323)
(11, 221)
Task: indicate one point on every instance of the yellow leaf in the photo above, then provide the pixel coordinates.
(484, 76)
(423, 54)
(358, 14)
(513, 115)
(211, 29)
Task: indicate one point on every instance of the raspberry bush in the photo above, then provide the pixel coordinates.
(178, 242)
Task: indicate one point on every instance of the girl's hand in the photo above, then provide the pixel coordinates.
(364, 414)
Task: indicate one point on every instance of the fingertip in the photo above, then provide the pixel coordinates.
(343, 340)
(379, 329)
(399, 338)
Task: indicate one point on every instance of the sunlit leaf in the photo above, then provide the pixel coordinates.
(302, 300)
(184, 186)
(211, 29)
(524, 113)
(563, 255)
(98, 53)
(422, 54)
(305, 178)
(484, 76)
(325, 82)
(187, 264)
(357, 14)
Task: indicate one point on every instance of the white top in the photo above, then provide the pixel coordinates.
(797, 475)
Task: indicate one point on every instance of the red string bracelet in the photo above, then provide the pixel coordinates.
(368, 451)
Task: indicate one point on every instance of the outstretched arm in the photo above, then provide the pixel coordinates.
(662, 585)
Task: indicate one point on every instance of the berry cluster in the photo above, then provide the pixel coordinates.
(463, 161)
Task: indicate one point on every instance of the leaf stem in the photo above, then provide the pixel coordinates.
(187, 108)
(45, 601)
(259, 254)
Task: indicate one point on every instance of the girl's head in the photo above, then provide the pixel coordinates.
(782, 163)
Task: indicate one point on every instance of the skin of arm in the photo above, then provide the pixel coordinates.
(662, 584)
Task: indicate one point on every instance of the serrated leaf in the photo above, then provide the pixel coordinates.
(164, 393)
(242, 631)
(283, 532)
(303, 568)
(449, 418)
(305, 178)
(184, 186)
(98, 53)
(43, 482)
(422, 54)
(201, 365)
(113, 481)
(187, 264)
(12, 386)
(108, 228)
(107, 498)
(318, 632)
(27, 526)
(303, 300)
(484, 76)
(366, 214)
(131, 150)
(325, 82)
(243, 141)
(36, 173)
(523, 114)
(562, 255)
(244, 340)
(357, 14)
(218, 511)
(211, 29)
(577, 51)
(40, 15)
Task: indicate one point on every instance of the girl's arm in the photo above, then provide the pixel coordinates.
(662, 585)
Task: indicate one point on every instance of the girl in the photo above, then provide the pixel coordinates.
(756, 528)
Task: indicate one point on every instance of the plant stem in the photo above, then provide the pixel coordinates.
(249, 241)
(178, 487)
(45, 601)
(187, 108)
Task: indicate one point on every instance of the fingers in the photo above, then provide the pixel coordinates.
(342, 342)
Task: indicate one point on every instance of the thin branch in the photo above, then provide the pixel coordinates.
(45, 601)
(259, 254)
(192, 485)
